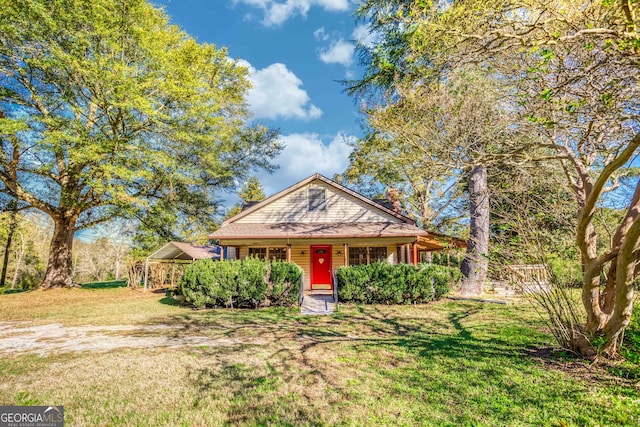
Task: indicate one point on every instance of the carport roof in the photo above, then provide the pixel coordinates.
(184, 251)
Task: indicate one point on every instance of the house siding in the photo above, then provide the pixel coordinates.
(293, 207)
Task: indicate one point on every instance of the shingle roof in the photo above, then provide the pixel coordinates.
(316, 230)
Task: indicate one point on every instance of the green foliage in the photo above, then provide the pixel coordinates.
(395, 284)
(249, 283)
(252, 282)
(451, 260)
(568, 271)
(284, 283)
(113, 111)
(251, 191)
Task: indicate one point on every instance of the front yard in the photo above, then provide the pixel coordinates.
(123, 357)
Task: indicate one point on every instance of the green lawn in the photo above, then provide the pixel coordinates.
(448, 363)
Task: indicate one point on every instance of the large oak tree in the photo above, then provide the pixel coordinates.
(109, 110)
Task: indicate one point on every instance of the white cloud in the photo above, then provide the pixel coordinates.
(305, 154)
(278, 12)
(362, 34)
(320, 34)
(277, 93)
(340, 52)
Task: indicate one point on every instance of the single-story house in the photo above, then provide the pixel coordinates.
(322, 225)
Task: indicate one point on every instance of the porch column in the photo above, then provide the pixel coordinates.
(288, 252)
(414, 246)
(345, 253)
(146, 275)
(221, 253)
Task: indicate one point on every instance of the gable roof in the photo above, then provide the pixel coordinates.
(317, 176)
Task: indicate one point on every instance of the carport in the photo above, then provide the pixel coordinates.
(179, 253)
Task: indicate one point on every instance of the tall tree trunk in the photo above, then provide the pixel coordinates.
(59, 267)
(476, 262)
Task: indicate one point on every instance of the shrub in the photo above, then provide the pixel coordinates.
(251, 284)
(352, 282)
(284, 281)
(395, 284)
(248, 283)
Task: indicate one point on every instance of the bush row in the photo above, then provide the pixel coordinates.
(395, 284)
(248, 283)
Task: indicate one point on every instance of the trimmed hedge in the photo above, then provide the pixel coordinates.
(248, 283)
(382, 283)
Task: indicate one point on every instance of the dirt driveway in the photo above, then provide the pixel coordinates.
(21, 338)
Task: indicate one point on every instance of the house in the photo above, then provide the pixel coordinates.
(322, 225)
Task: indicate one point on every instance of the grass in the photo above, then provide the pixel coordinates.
(105, 285)
(443, 364)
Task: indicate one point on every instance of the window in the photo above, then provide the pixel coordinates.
(258, 252)
(357, 256)
(279, 254)
(360, 256)
(317, 199)
(378, 254)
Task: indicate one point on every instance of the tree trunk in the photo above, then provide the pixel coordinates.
(13, 224)
(476, 262)
(19, 258)
(59, 267)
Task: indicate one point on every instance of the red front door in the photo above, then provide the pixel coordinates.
(321, 267)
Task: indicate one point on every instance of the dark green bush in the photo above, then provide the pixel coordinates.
(383, 283)
(352, 284)
(251, 290)
(284, 283)
(248, 283)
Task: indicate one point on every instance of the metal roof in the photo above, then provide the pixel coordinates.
(184, 251)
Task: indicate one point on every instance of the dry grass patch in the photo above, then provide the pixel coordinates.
(86, 306)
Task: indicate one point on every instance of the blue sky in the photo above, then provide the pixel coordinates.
(297, 51)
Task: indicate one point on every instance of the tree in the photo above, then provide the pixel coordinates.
(459, 126)
(111, 111)
(251, 191)
(25, 266)
(429, 193)
(577, 83)
(459, 136)
(570, 69)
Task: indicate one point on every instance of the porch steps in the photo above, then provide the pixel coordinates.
(313, 305)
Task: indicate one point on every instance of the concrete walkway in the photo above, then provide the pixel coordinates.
(317, 305)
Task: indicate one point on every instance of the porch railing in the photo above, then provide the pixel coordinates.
(301, 292)
(527, 274)
(334, 282)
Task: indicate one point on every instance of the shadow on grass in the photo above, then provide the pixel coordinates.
(105, 285)
(307, 371)
(168, 300)
(14, 291)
